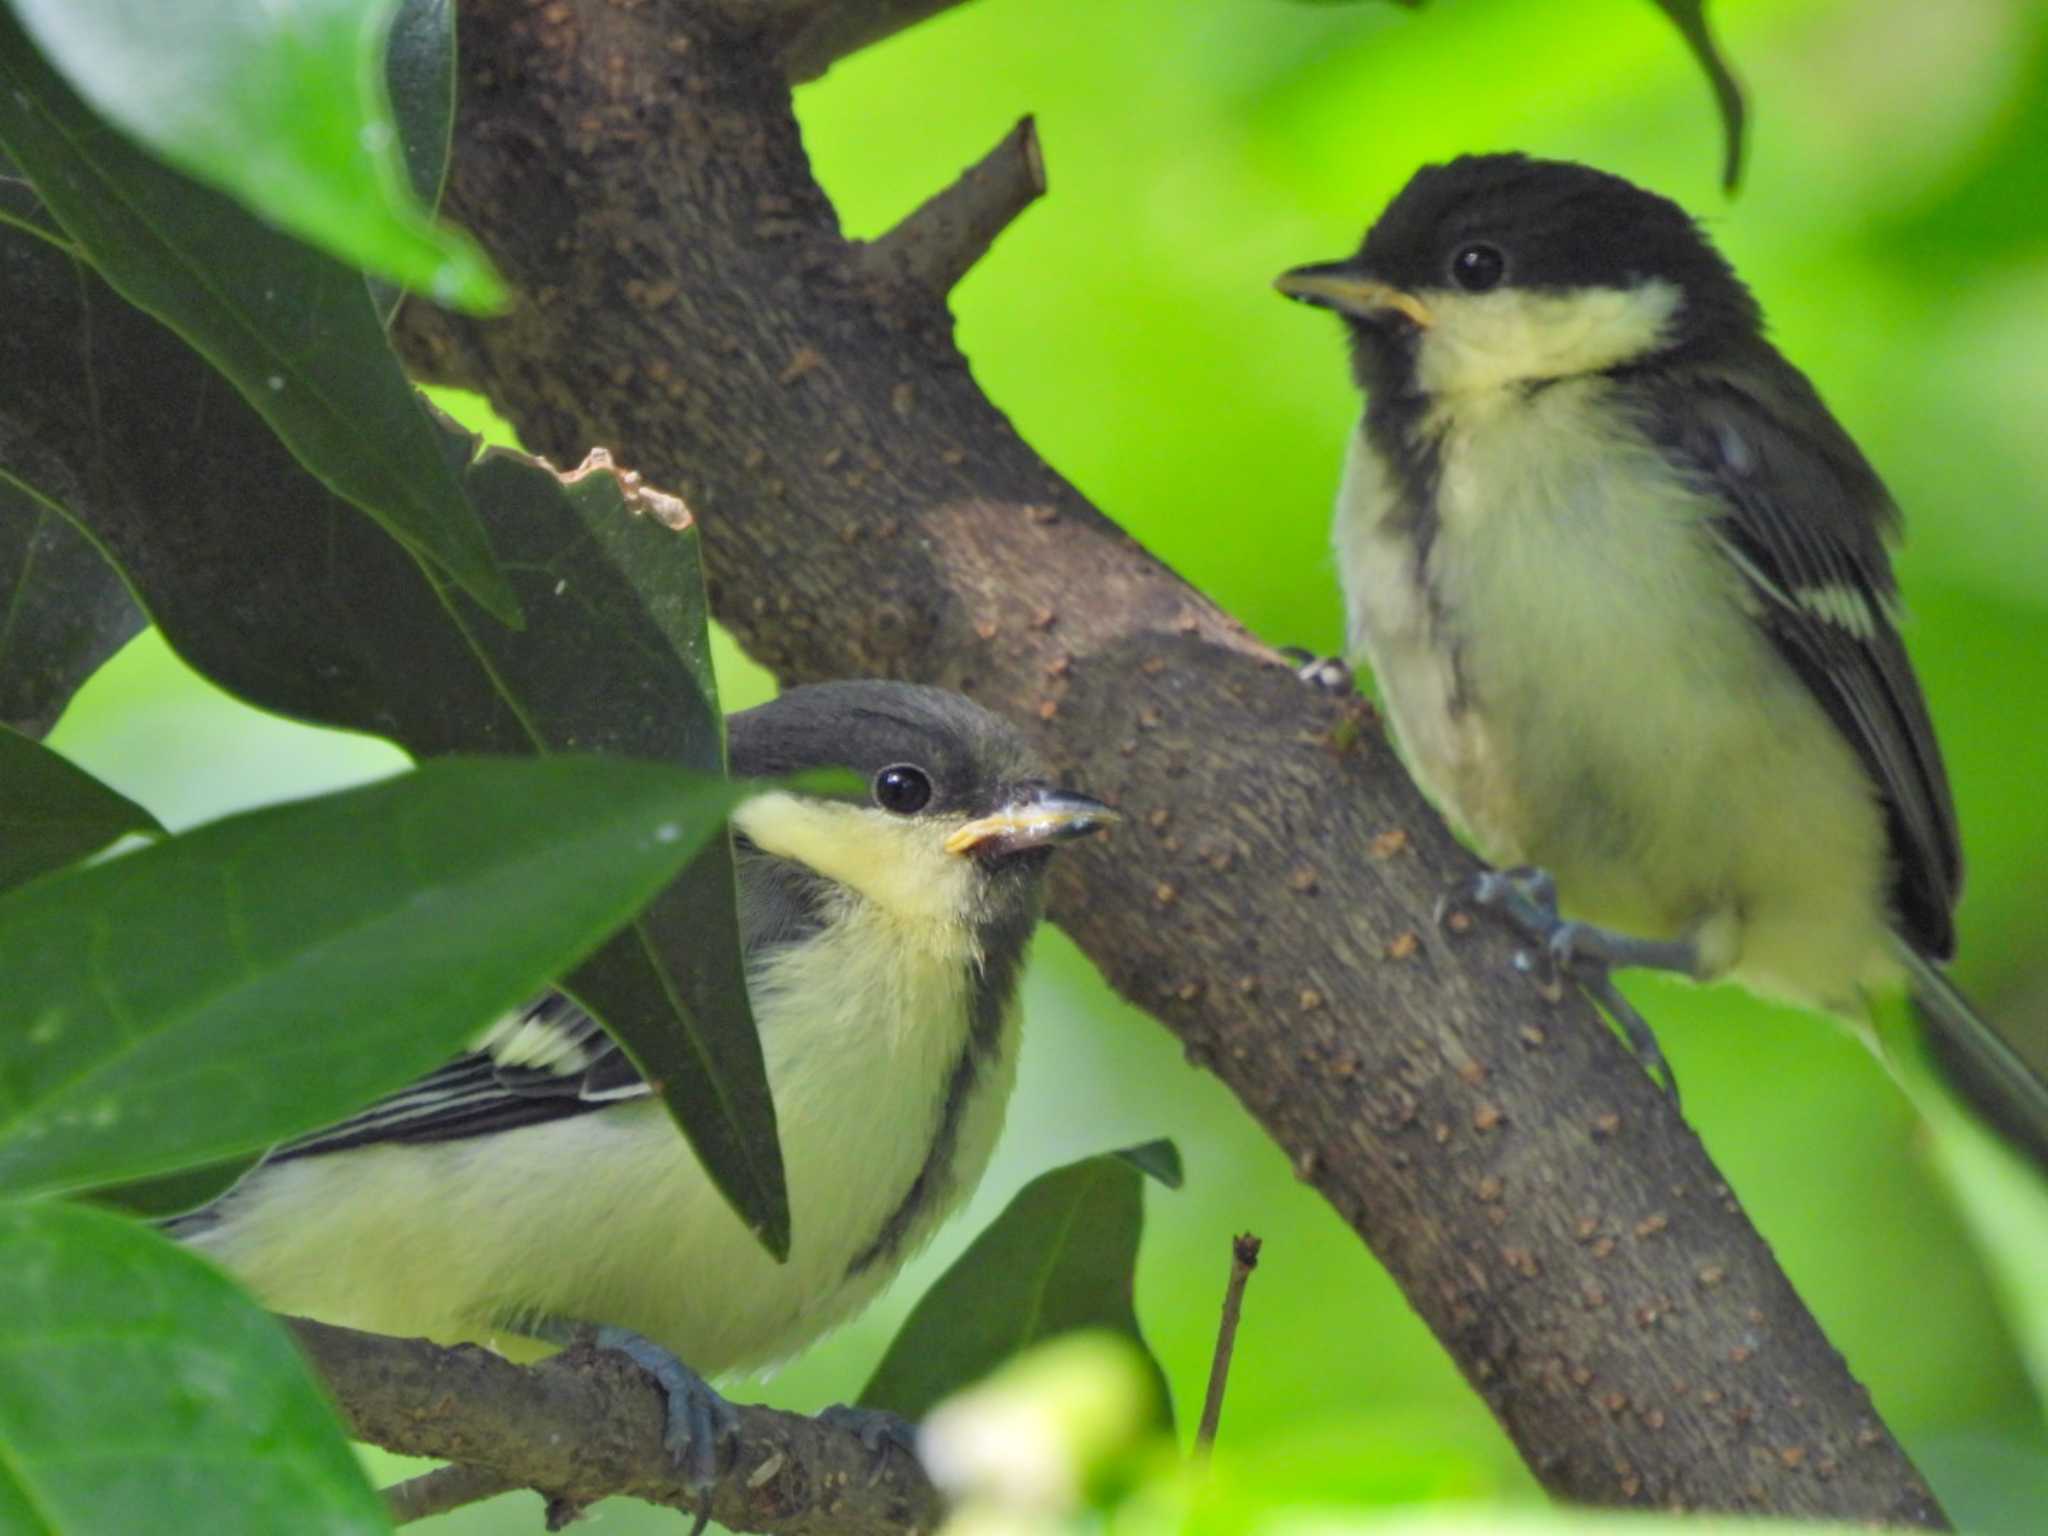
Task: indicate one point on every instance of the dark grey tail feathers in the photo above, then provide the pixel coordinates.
(1979, 1063)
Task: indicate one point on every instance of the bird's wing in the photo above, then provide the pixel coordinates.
(1805, 519)
(546, 1061)
(550, 1059)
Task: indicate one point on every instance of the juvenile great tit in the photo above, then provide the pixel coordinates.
(533, 1186)
(1623, 582)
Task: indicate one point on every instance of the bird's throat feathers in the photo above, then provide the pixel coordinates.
(1479, 344)
(899, 865)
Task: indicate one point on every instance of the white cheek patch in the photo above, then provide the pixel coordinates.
(1482, 341)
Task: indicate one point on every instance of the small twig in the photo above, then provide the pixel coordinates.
(935, 245)
(840, 27)
(443, 1489)
(1244, 1258)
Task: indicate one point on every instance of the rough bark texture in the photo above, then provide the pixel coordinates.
(587, 1424)
(689, 302)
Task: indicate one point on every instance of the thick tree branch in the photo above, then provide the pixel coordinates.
(949, 232)
(587, 1424)
(690, 301)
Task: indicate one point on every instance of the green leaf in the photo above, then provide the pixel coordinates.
(1160, 1159)
(20, 206)
(1690, 17)
(672, 988)
(53, 813)
(63, 608)
(294, 330)
(173, 1194)
(419, 67)
(278, 969)
(282, 107)
(268, 584)
(143, 1392)
(1060, 1258)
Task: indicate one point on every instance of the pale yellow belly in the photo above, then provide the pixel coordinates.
(1568, 683)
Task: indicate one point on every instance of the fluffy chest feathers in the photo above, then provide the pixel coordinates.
(1575, 675)
(1526, 577)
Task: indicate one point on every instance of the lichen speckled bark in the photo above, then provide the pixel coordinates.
(689, 302)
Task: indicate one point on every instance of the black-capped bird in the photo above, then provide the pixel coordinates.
(533, 1186)
(1623, 582)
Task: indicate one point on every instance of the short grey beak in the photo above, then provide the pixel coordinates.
(1038, 817)
(1339, 285)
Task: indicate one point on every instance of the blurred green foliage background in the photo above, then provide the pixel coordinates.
(1894, 221)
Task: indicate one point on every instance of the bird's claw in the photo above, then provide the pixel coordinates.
(1525, 898)
(701, 1424)
(1571, 944)
(878, 1429)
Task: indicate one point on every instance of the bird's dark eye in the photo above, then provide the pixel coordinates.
(1478, 266)
(903, 789)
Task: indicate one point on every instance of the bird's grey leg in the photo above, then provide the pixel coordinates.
(878, 1429)
(1325, 674)
(701, 1423)
(1526, 899)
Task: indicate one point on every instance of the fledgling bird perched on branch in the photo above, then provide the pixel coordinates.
(1623, 581)
(534, 1186)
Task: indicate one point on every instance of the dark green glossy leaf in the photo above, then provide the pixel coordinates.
(275, 970)
(295, 330)
(1160, 1159)
(63, 608)
(419, 67)
(672, 988)
(1690, 17)
(54, 813)
(173, 1194)
(143, 1392)
(20, 206)
(1061, 1257)
(281, 107)
(268, 584)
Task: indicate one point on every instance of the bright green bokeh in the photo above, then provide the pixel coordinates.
(1895, 225)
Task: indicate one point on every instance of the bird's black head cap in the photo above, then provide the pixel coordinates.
(971, 758)
(1555, 226)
